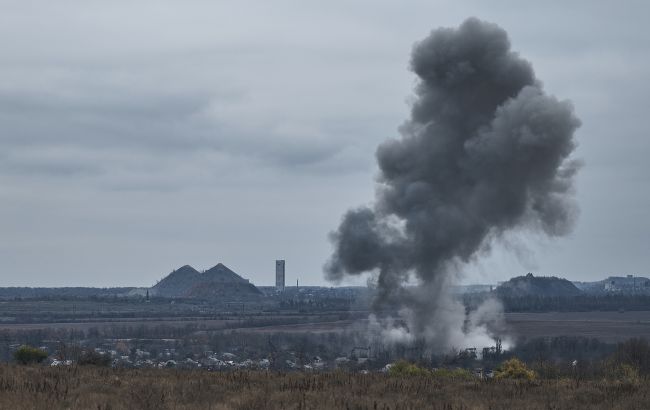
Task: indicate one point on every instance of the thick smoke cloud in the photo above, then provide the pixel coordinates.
(485, 151)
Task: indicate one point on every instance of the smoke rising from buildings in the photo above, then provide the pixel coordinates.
(485, 152)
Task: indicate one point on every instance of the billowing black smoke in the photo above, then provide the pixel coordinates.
(485, 151)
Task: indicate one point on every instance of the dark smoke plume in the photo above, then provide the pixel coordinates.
(485, 151)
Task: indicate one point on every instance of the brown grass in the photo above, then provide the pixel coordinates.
(103, 388)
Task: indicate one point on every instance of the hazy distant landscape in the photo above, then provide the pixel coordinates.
(283, 351)
(324, 205)
(535, 308)
(257, 339)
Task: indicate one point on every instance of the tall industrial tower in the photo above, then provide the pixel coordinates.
(279, 275)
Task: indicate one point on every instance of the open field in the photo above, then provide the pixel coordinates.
(326, 321)
(610, 327)
(103, 388)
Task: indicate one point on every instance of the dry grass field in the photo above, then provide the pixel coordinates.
(105, 388)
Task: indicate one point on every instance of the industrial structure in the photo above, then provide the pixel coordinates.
(279, 275)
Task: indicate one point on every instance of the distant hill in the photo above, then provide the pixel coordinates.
(530, 285)
(222, 274)
(177, 283)
(629, 284)
(217, 282)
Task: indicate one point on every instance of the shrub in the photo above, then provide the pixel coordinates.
(623, 373)
(514, 369)
(404, 368)
(636, 353)
(548, 370)
(453, 374)
(28, 354)
(91, 357)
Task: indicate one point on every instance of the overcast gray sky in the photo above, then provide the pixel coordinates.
(137, 137)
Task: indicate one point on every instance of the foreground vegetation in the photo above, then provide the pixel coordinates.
(88, 387)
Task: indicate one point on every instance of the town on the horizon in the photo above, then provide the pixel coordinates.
(220, 281)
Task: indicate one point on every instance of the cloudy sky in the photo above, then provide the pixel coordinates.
(136, 137)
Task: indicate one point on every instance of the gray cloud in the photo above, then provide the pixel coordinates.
(119, 120)
(172, 125)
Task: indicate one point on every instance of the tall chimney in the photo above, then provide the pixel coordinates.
(279, 275)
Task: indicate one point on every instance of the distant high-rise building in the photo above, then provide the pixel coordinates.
(279, 275)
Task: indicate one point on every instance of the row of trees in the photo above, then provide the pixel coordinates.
(628, 361)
